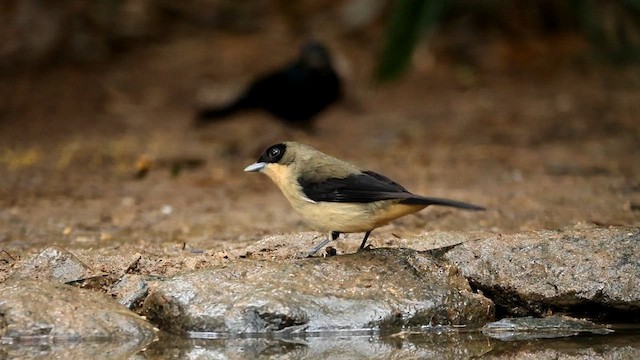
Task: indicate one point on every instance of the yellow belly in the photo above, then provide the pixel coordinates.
(334, 216)
(353, 217)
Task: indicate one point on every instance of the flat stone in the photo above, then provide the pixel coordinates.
(593, 271)
(530, 328)
(375, 289)
(130, 290)
(53, 312)
(52, 264)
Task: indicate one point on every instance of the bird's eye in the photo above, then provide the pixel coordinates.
(274, 152)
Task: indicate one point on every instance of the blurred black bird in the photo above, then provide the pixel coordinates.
(294, 94)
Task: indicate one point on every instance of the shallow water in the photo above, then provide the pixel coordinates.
(437, 344)
(622, 343)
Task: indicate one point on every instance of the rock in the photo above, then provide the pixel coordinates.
(593, 271)
(130, 290)
(529, 328)
(376, 289)
(437, 239)
(54, 312)
(284, 246)
(52, 264)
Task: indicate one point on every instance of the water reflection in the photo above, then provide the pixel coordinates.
(450, 345)
(429, 345)
(624, 343)
(45, 348)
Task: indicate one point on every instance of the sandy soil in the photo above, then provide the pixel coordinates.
(541, 149)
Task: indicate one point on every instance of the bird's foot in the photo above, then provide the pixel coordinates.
(368, 247)
(317, 248)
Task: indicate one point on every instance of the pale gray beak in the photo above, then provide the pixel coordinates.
(258, 166)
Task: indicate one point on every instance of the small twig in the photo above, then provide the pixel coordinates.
(9, 255)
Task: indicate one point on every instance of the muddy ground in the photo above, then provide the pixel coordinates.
(540, 148)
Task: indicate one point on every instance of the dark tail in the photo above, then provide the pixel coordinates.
(206, 115)
(211, 114)
(420, 200)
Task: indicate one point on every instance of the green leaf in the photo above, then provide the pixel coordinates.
(409, 20)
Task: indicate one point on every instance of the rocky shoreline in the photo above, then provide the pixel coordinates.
(591, 273)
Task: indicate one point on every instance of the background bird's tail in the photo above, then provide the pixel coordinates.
(421, 200)
(210, 114)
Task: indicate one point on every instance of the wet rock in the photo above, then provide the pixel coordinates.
(376, 289)
(52, 264)
(130, 290)
(592, 271)
(529, 328)
(53, 312)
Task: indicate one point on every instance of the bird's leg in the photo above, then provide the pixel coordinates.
(334, 235)
(364, 241)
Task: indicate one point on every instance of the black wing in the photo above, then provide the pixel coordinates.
(364, 187)
(369, 186)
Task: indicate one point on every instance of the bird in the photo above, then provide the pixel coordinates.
(295, 94)
(335, 196)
